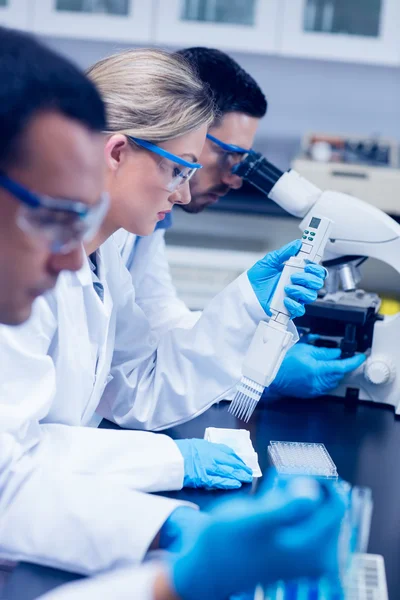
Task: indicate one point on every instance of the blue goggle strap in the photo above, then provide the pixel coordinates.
(228, 147)
(34, 201)
(24, 195)
(165, 153)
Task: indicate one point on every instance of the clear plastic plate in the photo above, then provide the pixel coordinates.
(302, 458)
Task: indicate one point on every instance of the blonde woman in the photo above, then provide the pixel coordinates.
(90, 343)
(157, 123)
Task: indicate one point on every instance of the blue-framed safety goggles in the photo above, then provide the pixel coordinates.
(228, 147)
(63, 224)
(177, 171)
(231, 155)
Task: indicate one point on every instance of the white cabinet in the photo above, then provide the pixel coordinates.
(16, 13)
(118, 20)
(249, 25)
(349, 30)
(365, 31)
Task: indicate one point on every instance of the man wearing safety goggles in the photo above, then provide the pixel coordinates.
(219, 158)
(240, 104)
(55, 223)
(51, 183)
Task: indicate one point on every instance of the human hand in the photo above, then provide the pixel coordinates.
(209, 465)
(308, 371)
(288, 531)
(265, 273)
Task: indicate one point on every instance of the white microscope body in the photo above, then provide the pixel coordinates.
(363, 230)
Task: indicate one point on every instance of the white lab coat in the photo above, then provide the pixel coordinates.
(66, 511)
(69, 518)
(156, 295)
(122, 584)
(146, 260)
(75, 352)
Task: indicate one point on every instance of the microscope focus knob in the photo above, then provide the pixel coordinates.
(379, 370)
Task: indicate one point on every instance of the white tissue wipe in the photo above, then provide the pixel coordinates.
(240, 442)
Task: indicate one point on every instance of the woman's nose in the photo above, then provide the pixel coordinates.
(181, 195)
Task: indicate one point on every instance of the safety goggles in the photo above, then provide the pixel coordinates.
(231, 155)
(176, 170)
(62, 224)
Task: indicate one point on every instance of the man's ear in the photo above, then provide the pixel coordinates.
(115, 150)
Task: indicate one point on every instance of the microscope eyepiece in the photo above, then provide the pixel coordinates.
(258, 171)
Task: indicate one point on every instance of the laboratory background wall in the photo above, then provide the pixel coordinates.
(304, 95)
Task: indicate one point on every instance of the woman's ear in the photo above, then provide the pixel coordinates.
(115, 150)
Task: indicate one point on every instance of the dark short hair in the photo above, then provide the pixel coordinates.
(232, 87)
(34, 79)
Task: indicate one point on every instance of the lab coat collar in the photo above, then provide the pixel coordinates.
(84, 275)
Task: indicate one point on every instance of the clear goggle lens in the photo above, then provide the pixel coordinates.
(176, 172)
(62, 224)
(175, 175)
(231, 159)
(180, 178)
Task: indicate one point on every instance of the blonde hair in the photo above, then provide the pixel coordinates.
(152, 94)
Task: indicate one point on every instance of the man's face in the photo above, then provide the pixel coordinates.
(214, 180)
(59, 158)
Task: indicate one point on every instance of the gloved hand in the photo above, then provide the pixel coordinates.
(286, 532)
(308, 371)
(209, 465)
(181, 528)
(264, 276)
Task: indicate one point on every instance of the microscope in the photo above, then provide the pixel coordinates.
(344, 316)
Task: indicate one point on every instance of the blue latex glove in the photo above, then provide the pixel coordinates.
(286, 532)
(264, 276)
(209, 465)
(308, 371)
(181, 528)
